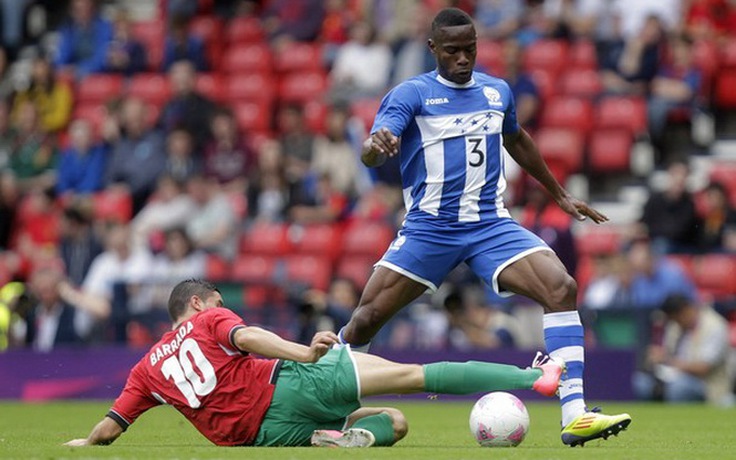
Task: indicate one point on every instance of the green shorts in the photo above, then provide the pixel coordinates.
(309, 397)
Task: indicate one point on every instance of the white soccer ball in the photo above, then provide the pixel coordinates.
(499, 419)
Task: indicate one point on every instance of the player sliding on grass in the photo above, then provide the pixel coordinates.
(295, 395)
(450, 127)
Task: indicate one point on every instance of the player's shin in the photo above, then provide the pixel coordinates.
(564, 338)
(381, 426)
(475, 377)
(363, 348)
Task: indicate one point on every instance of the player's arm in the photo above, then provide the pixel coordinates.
(102, 434)
(524, 151)
(259, 341)
(379, 146)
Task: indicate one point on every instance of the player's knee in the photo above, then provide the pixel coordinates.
(399, 423)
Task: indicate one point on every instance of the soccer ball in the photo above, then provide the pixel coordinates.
(499, 419)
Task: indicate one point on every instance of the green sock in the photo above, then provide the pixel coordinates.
(475, 377)
(380, 425)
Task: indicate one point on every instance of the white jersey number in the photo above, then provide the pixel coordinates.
(186, 378)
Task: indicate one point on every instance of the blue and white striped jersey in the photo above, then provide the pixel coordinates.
(451, 146)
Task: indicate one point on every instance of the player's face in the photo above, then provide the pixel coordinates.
(455, 49)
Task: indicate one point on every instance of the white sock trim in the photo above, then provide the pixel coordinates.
(561, 319)
(571, 353)
(570, 387)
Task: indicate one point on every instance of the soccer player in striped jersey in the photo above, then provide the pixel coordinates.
(450, 128)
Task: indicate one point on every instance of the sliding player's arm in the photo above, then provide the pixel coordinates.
(524, 151)
(259, 341)
(102, 434)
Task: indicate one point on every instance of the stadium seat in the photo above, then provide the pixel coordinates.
(725, 96)
(315, 114)
(302, 87)
(151, 34)
(725, 173)
(210, 30)
(581, 83)
(99, 88)
(597, 241)
(367, 238)
(728, 54)
(152, 88)
(254, 269)
(299, 57)
(622, 112)
(244, 30)
(113, 204)
(253, 116)
(715, 274)
(490, 56)
(314, 271)
(549, 55)
(212, 86)
(355, 268)
(94, 114)
(546, 82)
(568, 112)
(217, 268)
(317, 239)
(249, 87)
(247, 58)
(255, 298)
(609, 151)
(365, 110)
(265, 238)
(582, 55)
(563, 146)
(707, 60)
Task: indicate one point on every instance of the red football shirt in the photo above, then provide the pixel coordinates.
(197, 369)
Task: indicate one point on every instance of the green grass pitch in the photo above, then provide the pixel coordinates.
(438, 430)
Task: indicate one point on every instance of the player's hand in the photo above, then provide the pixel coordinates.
(580, 210)
(77, 442)
(383, 141)
(321, 343)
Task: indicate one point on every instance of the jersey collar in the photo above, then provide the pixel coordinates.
(452, 84)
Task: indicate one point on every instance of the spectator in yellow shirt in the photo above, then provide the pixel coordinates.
(52, 98)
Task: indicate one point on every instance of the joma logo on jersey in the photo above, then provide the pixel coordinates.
(436, 100)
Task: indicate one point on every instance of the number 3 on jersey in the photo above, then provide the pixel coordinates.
(475, 150)
(186, 378)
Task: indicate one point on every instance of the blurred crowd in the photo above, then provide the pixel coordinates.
(140, 145)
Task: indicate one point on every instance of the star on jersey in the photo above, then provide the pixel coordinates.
(484, 122)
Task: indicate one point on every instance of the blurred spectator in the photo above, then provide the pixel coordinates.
(606, 288)
(52, 321)
(34, 158)
(8, 135)
(692, 362)
(335, 27)
(297, 144)
(572, 19)
(327, 311)
(674, 89)
(51, 97)
(633, 15)
(36, 234)
(212, 226)
(12, 14)
(9, 199)
(669, 216)
(334, 154)
(187, 108)
(13, 305)
(392, 19)
(138, 157)
(82, 165)
(474, 324)
(181, 45)
(709, 19)
(125, 55)
(544, 218)
(7, 86)
(628, 65)
(168, 208)
(717, 231)
(268, 193)
(228, 157)
(498, 19)
(349, 77)
(325, 204)
(84, 40)
(182, 162)
(78, 245)
(412, 55)
(526, 94)
(300, 21)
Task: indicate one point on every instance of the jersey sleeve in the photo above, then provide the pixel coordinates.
(510, 124)
(223, 323)
(134, 400)
(398, 108)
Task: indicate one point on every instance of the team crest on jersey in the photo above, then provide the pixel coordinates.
(493, 96)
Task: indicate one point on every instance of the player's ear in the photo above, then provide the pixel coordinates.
(196, 303)
(432, 46)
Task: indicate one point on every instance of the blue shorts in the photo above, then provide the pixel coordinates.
(427, 254)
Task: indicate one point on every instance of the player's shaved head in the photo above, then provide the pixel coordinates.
(450, 17)
(182, 292)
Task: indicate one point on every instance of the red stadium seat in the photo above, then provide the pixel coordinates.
(622, 112)
(365, 110)
(583, 56)
(151, 34)
(355, 268)
(546, 82)
(153, 88)
(315, 114)
(366, 238)
(725, 173)
(550, 55)
(249, 87)
(725, 96)
(568, 112)
(254, 269)
(210, 30)
(728, 54)
(312, 270)
(217, 268)
(562, 146)
(302, 87)
(253, 116)
(317, 239)
(247, 58)
(596, 241)
(299, 57)
(113, 204)
(265, 238)
(581, 83)
(212, 86)
(244, 30)
(97, 89)
(715, 274)
(490, 56)
(94, 113)
(610, 151)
